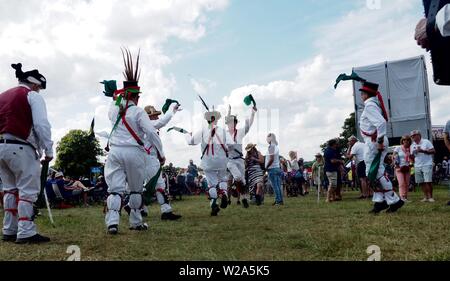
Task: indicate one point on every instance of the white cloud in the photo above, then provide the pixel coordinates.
(202, 86)
(75, 44)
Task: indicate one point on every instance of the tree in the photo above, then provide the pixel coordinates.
(77, 152)
(349, 129)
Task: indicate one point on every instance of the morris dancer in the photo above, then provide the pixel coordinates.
(154, 165)
(236, 162)
(373, 124)
(214, 158)
(24, 133)
(125, 164)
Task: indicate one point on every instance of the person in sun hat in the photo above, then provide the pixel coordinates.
(236, 163)
(214, 159)
(153, 167)
(373, 125)
(129, 139)
(24, 134)
(254, 172)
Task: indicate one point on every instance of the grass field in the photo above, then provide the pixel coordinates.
(300, 230)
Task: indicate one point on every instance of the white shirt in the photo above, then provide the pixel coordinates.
(372, 119)
(293, 165)
(422, 159)
(158, 124)
(358, 150)
(272, 150)
(138, 120)
(401, 156)
(443, 20)
(41, 132)
(235, 139)
(215, 157)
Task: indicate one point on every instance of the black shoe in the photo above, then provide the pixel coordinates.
(238, 202)
(113, 229)
(245, 203)
(144, 214)
(394, 207)
(258, 200)
(141, 227)
(35, 239)
(9, 238)
(127, 209)
(378, 207)
(214, 210)
(448, 203)
(169, 216)
(224, 202)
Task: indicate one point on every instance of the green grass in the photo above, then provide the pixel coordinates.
(300, 230)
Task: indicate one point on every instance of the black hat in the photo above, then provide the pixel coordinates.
(370, 88)
(32, 76)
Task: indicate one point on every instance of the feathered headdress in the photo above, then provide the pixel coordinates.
(132, 72)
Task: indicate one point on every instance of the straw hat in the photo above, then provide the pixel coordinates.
(151, 110)
(250, 146)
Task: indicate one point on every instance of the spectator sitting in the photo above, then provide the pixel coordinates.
(101, 189)
(203, 184)
(179, 187)
(68, 189)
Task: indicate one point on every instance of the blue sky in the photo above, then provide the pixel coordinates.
(250, 41)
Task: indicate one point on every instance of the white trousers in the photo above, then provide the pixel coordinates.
(237, 171)
(125, 167)
(152, 167)
(217, 181)
(385, 185)
(20, 174)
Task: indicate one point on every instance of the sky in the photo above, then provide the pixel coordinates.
(286, 53)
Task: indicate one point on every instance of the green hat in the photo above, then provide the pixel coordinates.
(110, 87)
(248, 100)
(167, 105)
